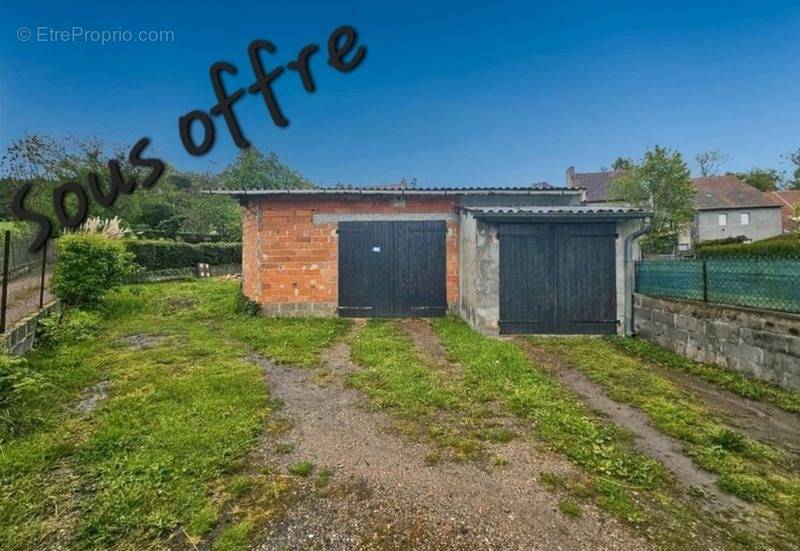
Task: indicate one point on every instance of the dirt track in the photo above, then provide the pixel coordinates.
(384, 495)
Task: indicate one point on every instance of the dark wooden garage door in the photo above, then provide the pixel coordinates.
(392, 269)
(557, 278)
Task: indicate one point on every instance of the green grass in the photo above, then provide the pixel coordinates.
(323, 478)
(301, 468)
(747, 468)
(394, 373)
(500, 370)
(570, 508)
(424, 403)
(456, 409)
(180, 416)
(724, 378)
(234, 537)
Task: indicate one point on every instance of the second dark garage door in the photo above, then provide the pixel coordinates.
(557, 278)
(392, 269)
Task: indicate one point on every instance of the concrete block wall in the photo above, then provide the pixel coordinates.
(20, 338)
(480, 274)
(760, 344)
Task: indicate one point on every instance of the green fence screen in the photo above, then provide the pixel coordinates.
(753, 282)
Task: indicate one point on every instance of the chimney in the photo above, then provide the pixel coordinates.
(570, 176)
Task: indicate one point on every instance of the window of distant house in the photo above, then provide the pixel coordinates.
(722, 219)
(744, 218)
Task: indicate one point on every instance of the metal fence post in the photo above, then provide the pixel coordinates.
(4, 300)
(44, 269)
(705, 282)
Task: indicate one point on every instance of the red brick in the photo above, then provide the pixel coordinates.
(280, 270)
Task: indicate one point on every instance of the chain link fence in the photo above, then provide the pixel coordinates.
(769, 284)
(25, 277)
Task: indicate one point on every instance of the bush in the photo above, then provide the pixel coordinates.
(159, 255)
(783, 246)
(88, 265)
(658, 244)
(725, 241)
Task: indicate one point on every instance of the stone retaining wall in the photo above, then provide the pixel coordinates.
(19, 339)
(758, 343)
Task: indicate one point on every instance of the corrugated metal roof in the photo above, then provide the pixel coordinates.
(607, 211)
(395, 190)
(561, 209)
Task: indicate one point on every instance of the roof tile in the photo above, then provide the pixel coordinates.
(722, 192)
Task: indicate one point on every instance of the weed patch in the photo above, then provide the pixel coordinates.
(301, 468)
(570, 508)
(323, 478)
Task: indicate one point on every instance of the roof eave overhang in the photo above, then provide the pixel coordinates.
(454, 192)
(739, 207)
(560, 216)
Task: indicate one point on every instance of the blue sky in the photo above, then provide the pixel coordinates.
(495, 93)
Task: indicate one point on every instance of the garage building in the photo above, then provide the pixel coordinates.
(508, 260)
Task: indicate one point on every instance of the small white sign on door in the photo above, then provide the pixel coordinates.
(376, 249)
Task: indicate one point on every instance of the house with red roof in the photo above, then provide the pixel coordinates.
(726, 207)
(790, 208)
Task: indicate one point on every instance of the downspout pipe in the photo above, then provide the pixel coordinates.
(630, 275)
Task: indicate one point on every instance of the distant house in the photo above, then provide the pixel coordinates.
(596, 184)
(790, 203)
(726, 207)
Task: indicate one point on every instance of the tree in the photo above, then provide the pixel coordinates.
(623, 163)
(171, 207)
(47, 162)
(793, 181)
(661, 183)
(202, 213)
(710, 162)
(254, 170)
(762, 179)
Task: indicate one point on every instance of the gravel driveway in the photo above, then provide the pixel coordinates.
(383, 494)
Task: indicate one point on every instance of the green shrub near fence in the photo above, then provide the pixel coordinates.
(782, 246)
(89, 264)
(769, 284)
(162, 254)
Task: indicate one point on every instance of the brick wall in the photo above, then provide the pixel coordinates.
(290, 261)
(758, 343)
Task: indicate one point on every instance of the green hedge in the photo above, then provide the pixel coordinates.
(162, 254)
(783, 246)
